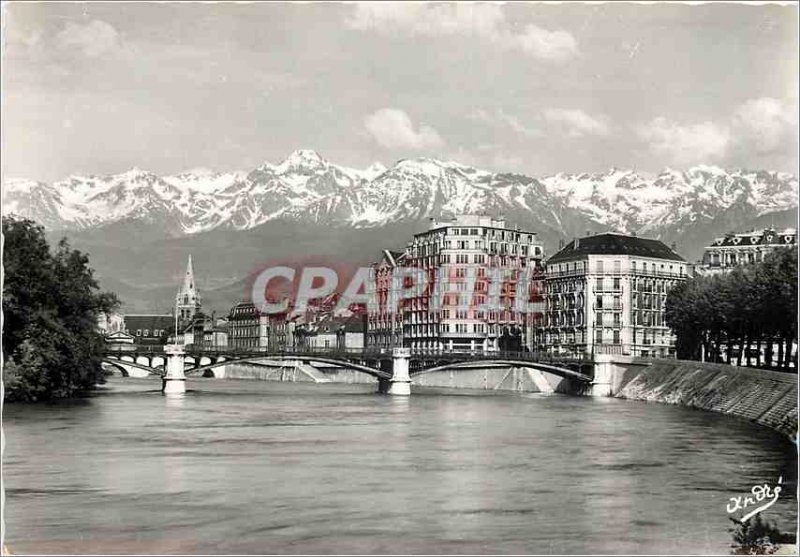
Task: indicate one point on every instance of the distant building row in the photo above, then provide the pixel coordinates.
(598, 294)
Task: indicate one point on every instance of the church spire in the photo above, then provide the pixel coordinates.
(187, 301)
(188, 279)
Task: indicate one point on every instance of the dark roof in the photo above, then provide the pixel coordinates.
(149, 322)
(766, 237)
(615, 244)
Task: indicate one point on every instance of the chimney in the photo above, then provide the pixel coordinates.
(576, 243)
(560, 243)
(588, 232)
(673, 246)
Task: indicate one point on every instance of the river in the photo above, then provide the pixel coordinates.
(242, 466)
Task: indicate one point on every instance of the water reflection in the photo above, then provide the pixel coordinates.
(175, 400)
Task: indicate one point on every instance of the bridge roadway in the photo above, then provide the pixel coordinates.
(387, 366)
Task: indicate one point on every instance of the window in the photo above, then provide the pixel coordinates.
(599, 265)
(598, 302)
(147, 332)
(617, 284)
(617, 266)
(138, 332)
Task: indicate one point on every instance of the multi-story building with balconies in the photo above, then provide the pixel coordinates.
(247, 326)
(606, 294)
(731, 250)
(384, 328)
(460, 257)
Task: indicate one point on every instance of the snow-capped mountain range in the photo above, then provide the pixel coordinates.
(306, 187)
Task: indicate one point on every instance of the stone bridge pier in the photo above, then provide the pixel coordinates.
(609, 371)
(174, 381)
(400, 382)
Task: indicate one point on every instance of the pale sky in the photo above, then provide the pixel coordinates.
(535, 88)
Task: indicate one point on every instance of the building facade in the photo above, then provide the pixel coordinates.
(606, 294)
(337, 333)
(247, 327)
(459, 257)
(731, 250)
(384, 328)
(205, 330)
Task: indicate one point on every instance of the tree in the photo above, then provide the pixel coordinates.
(753, 305)
(683, 312)
(777, 292)
(51, 304)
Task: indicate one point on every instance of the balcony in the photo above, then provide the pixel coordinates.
(464, 335)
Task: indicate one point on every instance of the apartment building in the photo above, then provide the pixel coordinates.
(247, 326)
(460, 257)
(730, 250)
(606, 294)
(384, 327)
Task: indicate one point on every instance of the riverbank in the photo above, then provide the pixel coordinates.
(764, 397)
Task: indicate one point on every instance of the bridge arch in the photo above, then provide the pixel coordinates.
(555, 370)
(376, 373)
(117, 366)
(119, 363)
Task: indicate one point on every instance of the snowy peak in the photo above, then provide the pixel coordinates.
(373, 171)
(203, 180)
(302, 160)
(305, 187)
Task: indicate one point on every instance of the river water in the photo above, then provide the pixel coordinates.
(265, 467)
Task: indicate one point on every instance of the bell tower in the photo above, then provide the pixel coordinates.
(187, 301)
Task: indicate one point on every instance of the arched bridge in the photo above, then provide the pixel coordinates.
(393, 369)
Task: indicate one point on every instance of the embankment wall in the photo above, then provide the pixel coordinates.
(764, 397)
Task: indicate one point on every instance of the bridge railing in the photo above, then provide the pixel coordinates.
(134, 348)
(351, 353)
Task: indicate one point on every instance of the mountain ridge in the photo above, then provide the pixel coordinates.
(305, 186)
(138, 227)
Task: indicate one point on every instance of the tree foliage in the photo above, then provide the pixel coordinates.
(51, 304)
(747, 316)
(756, 536)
